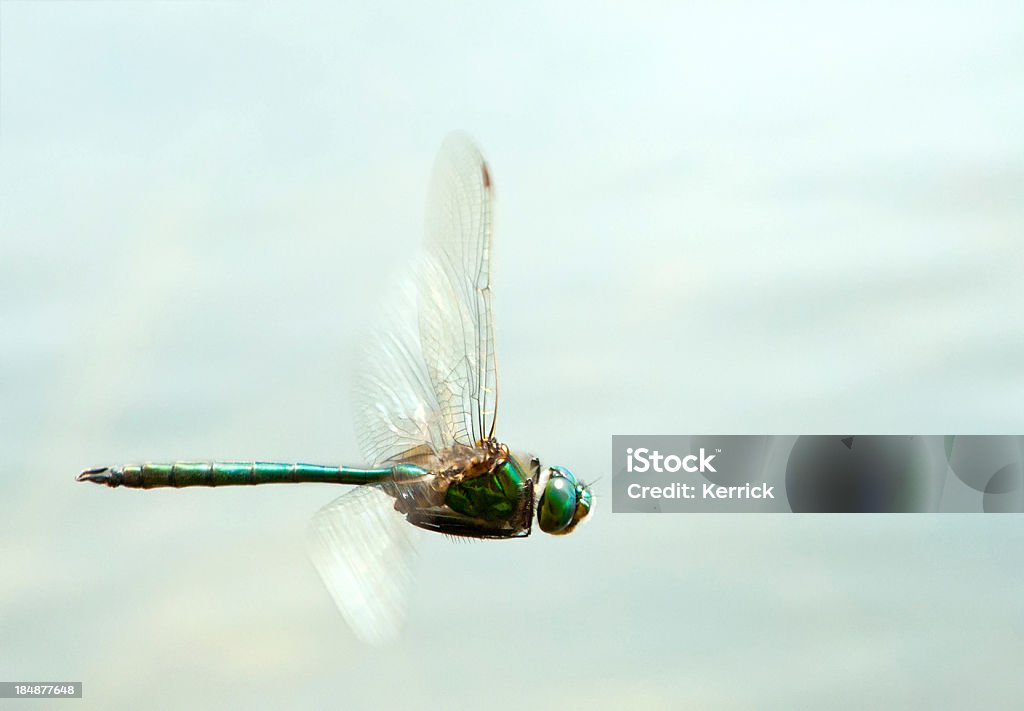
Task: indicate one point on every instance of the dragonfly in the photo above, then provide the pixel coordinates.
(426, 404)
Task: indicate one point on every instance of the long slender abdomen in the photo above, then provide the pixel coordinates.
(178, 474)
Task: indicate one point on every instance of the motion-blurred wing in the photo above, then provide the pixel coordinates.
(360, 546)
(455, 321)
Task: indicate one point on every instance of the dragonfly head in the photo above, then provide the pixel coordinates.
(563, 503)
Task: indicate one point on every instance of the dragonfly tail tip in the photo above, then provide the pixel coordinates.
(99, 475)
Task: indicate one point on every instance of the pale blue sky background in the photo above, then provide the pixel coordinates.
(711, 218)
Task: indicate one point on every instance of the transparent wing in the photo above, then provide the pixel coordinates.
(429, 378)
(360, 546)
(396, 408)
(454, 289)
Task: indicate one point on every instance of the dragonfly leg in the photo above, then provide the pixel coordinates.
(441, 521)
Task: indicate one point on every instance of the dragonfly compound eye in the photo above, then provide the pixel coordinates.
(584, 502)
(558, 502)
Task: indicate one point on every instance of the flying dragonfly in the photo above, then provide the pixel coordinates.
(426, 405)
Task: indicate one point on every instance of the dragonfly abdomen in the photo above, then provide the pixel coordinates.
(178, 474)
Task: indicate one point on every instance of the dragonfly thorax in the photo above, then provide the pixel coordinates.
(564, 502)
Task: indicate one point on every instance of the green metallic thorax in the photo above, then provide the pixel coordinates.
(494, 496)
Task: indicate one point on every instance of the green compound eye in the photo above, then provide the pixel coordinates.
(557, 503)
(562, 471)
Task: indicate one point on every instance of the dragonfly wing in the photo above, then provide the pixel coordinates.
(396, 408)
(360, 546)
(428, 378)
(456, 325)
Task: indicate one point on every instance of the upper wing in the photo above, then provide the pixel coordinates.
(455, 319)
(429, 378)
(396, 408)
